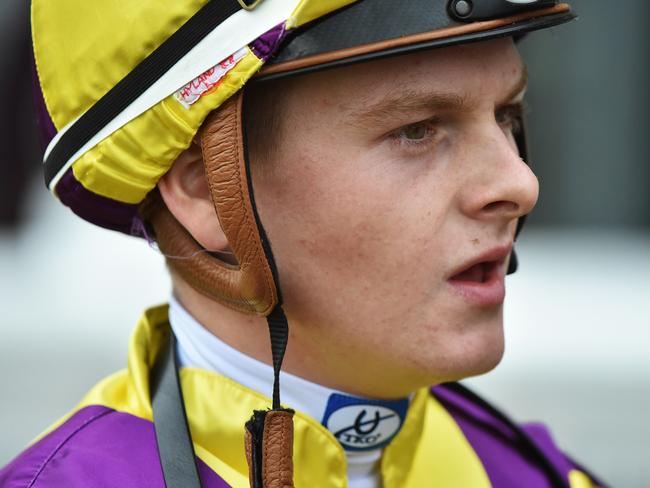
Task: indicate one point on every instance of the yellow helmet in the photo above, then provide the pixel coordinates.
(188, 55)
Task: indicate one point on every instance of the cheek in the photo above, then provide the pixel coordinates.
(339, 236)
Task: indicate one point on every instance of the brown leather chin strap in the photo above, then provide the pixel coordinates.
(249, 287)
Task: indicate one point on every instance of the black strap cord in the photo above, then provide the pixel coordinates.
(170, 422)
(137, 82)
(279, 331)
(276, 320)
(557, 479)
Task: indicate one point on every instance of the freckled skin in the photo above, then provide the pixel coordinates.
(365, 234)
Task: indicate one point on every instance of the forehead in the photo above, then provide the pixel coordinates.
(477, 69)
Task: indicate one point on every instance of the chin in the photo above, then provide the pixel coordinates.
(477, 356)
(478, 365)
(469, 352)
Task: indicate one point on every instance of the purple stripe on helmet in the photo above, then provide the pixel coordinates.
(99, 210)
(43, 119)
(97, 446)
(266, 45)
(506, 461)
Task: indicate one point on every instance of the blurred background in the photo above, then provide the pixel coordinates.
(577, 312)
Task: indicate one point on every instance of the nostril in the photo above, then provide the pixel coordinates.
(501, 206)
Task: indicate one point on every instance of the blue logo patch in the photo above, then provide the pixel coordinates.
(360, 424)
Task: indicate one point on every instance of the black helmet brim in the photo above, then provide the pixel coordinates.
(373, 29)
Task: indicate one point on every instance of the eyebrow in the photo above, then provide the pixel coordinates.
(407, 101)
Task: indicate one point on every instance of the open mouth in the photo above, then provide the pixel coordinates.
(482, 283)
(479, 273)
(481, 280)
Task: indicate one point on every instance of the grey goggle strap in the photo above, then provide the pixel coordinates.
(175, 447)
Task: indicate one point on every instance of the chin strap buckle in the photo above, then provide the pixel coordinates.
(269, 448)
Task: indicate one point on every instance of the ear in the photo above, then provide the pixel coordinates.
(185, 191)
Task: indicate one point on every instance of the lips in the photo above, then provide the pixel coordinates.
(480, 280)
(478, 273)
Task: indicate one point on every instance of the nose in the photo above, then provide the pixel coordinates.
(500, 184)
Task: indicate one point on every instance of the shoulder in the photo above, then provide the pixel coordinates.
(95, 446)
(512, 454)
(90, 446)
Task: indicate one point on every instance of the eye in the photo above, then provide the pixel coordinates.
(509, 117)
(414, 132)
(418, 135)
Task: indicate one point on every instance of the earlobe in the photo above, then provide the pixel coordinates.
(185, 192)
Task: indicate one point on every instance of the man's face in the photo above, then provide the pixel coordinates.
(389, 180)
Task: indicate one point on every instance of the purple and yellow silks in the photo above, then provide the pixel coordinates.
(96, 446)
(109, 440)
(83, 49)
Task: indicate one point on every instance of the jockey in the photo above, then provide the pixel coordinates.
(336, 186)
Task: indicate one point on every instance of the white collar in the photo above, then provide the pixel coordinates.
(197, 347)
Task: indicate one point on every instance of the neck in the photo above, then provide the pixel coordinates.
(311, 353)
(245, 333)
